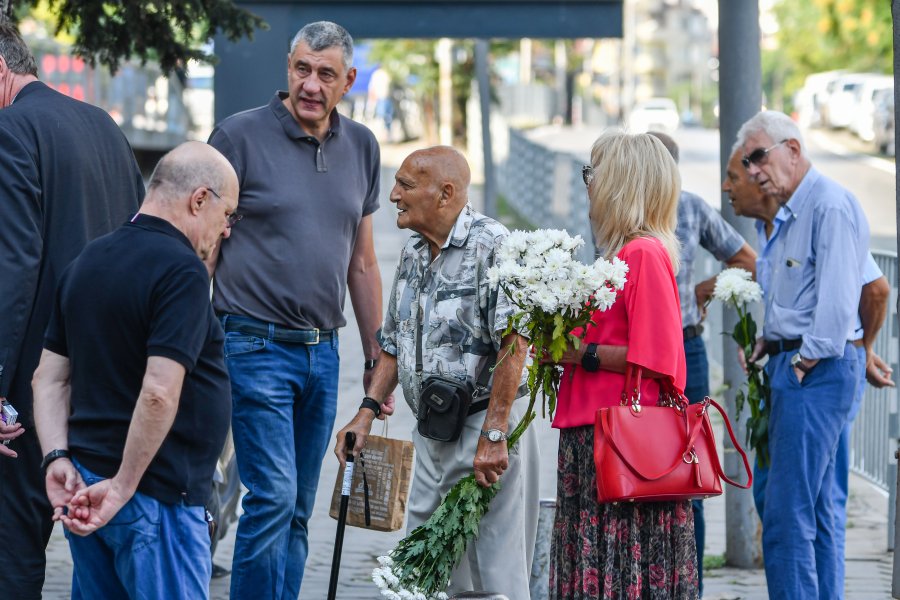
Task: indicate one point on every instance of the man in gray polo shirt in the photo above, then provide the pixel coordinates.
(309, 183)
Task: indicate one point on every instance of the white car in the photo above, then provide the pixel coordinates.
(862, 122)
(656, 114)
(842, 99)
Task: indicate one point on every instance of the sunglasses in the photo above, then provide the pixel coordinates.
(759, 156)
(587, 174)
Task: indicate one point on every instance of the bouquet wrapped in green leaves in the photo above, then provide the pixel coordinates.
(553, 294)
(737, 288)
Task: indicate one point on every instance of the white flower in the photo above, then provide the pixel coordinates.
(442, 596)
(736, 286)
(385, 561)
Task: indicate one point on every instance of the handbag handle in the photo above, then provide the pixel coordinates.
(737, 447)
(635, 400)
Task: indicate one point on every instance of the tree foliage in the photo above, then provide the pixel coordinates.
(170, 32)
(823, 35)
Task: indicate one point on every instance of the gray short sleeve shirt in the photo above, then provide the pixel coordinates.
(463, 316)
(286, 261)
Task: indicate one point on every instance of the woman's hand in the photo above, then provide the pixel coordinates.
(572, 355)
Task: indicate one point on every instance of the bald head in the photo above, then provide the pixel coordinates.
(195, 189)
(431, 190)
(189, 166)
(444, 165)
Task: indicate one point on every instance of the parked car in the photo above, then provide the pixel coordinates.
(863, 113)
(841, 99)
(811, 99)
(883, 122)
(656, 114)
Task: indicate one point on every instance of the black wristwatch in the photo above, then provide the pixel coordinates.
(51, 456)
(589, 360)
(370, 363)
(372, 404)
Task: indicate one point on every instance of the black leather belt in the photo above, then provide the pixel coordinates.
(276, 333)
(774, 347)
(692, 331)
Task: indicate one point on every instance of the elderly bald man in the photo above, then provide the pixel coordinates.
(131, 398)
(446, 319)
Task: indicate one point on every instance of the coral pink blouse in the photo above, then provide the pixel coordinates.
(646, 317)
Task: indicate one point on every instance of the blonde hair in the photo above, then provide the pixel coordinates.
(634, 192)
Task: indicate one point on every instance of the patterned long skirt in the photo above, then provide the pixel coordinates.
(621, 551)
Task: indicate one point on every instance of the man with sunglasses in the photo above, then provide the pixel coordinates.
(748, 201)
(811, 279)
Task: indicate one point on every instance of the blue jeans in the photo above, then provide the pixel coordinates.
(696, 389)
(282, 393)
(149, 550)
(799, 541)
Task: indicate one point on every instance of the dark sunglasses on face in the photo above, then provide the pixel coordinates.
(758, 156)
(587, 174)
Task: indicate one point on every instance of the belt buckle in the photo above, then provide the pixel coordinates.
(316, 339)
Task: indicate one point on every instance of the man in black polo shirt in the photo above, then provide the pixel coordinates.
(131, 398)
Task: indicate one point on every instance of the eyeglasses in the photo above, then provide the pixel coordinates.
(758, 156)
(587, 174)
(229, 219)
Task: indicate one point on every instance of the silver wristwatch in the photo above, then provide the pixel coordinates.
(494, 435)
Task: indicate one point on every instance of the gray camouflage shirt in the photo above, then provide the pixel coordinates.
(464, 316)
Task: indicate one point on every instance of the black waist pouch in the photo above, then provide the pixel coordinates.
(443, 408)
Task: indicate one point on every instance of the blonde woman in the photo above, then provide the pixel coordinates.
(641, 549)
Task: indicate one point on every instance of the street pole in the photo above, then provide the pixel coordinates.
(444, 57)
(740, 97)
(895, 14)
(484, 95)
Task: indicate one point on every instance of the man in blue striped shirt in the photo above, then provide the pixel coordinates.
(812, 288)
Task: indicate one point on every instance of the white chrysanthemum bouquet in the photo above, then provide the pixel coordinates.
(553, 294)
(737, 288)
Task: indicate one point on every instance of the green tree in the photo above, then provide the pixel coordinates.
(170, 32)
(822, 35)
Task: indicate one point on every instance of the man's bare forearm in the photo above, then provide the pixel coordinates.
(507, 377)
(52, 394)
(873, 304)
(152, 419)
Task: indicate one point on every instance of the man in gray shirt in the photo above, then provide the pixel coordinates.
(309, 182)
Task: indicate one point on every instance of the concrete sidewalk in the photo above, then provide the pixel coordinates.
(868, 564)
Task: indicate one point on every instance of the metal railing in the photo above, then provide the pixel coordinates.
(545, 187)
(877, 428)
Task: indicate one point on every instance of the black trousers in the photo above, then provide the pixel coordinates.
(27, 520)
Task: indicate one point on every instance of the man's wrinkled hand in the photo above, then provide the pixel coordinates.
(759, 350)
(63, 480)
(878, 373)
(9, 432)
(93, 507)
(491, 460)
(361, 425)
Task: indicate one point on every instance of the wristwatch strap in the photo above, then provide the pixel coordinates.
(51, 456)
(372, 405)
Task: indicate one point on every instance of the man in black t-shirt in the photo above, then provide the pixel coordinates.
(131, 398)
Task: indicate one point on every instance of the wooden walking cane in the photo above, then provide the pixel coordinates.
(349, 442)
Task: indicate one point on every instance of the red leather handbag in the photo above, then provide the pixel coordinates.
(659, 453)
